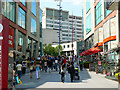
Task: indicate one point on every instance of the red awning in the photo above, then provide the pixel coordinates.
(91, 51)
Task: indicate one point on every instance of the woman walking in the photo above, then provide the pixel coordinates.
(31, 70)
(38, 71)
(63, 73)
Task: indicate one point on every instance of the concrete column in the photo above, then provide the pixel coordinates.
(16, 39)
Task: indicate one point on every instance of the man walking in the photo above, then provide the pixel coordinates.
(72, 71)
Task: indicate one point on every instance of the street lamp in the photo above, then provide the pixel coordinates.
(59, 21)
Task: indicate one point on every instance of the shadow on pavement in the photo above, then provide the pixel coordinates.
(53, 77)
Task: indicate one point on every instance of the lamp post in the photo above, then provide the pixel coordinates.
(59, 22)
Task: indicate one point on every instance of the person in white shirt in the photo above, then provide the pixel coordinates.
(56, 63)
(19, 69)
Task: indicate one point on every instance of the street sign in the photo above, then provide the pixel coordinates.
(4, 32)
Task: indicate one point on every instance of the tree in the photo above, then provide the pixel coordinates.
(57, 50)
(48, 49)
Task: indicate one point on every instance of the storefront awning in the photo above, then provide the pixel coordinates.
(91, 51)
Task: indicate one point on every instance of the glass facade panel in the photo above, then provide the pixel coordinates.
(87, 5)
(22, 18)
(33, 7)
(40, 15)
(33, 26)
(88, 24)
(107, 11)
(8, 9)
(98, 14)
(21, 42)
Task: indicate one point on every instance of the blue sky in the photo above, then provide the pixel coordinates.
(74, 6)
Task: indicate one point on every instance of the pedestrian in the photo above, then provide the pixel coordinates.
(71, 71)
(64, 61)
(62, 73)
(81, 64)
(19, 70)
(38, 70)
(56, 63)
(50, 65)
(31, 69)
(45, 65)
(24, 68)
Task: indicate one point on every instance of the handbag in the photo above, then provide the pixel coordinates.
(17, 79)
(20, 82)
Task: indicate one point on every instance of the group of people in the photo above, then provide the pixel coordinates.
(47, 64)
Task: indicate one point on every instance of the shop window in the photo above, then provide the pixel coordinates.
(21, 42)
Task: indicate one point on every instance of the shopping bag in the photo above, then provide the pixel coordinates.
(17, 79)
(20, 82)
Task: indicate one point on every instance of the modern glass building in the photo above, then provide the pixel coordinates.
(25, 20)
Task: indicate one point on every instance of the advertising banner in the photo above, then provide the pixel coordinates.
(4, 32)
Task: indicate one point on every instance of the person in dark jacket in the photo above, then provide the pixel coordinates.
(72, 71)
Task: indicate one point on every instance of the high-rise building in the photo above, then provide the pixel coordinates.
(50, 20)
(101, 29)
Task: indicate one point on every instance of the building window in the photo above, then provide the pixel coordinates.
(64, 46)
(33, 7)
(88, 24)
(33, 26)
(98, 12)
(68, 46)
(107, 11)
(8, 10)
(87, 5)
(23, 2)
(21, 42)
(21, 18)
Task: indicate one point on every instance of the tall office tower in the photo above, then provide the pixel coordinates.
(50, 20)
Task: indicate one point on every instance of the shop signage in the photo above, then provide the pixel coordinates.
(4, 28)
(11, 38)
(109, 39)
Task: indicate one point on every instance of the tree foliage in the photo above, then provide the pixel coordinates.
(54, 51)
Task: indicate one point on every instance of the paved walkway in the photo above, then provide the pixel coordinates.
(52, 80)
